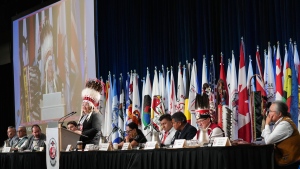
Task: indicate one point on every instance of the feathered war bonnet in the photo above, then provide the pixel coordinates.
(91, 93)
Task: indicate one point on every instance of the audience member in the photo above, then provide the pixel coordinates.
(168, 130)
(184, 129)
(284, 134)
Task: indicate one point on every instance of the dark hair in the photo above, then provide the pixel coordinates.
(132, 125)
(282, 107)
(179, 116)
(35, 125)
(11, 127)
(72, 122)
(165, 116)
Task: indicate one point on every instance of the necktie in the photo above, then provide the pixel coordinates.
(165, 136)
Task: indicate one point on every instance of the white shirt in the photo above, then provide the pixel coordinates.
(281, 131)
(170, 135)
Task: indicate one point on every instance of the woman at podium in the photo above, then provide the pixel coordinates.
(89, 123)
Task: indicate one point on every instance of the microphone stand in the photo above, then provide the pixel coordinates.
(65, 117)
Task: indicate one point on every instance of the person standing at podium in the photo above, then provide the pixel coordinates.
(89, 123)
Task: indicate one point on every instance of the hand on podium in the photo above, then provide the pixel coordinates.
(78, 132)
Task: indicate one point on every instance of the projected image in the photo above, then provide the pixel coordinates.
(53, 55)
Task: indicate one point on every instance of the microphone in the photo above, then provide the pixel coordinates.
(66, 116)
(112, 131)
(151, 125)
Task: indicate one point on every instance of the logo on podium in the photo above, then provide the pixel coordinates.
(52, 151)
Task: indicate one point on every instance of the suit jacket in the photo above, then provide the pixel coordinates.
(91, 129)
(187, 133)
(40, 142)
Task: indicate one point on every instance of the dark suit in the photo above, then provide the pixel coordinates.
(91, 128)
(40, 142)
(187, 133)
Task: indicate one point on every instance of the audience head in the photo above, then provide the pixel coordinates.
(178, 120)
(11, 132)
(21, 131)
(72, 125)
(36, 131)
(166, 122)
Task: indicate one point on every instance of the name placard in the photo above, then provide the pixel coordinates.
(68, 147)
(179, 143)
(126, 146)
(105, 147)
(151, 145)
(221, 142)
(6, 150)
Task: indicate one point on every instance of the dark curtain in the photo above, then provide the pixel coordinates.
(136, 34)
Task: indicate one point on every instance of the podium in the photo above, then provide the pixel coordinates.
(57, 140)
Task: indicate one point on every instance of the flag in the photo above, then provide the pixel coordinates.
(233, 97)
(180, 92)
(167, 87)
(102, 103)
(228, 78)
(146, 104)
(269, 76)
(192, 93)
(212, 84)
(157, 103)
(274, 65)
(187, 113)
(291, 86)
(121, 108)
(136, 104)
(297, 66)
(223, 77)
(259, 79)
(115, 112)
(162, 88)
(284, 68)
(204, 72)
(172, 95)
(244, 124)
(108, 108)
(129, 91)
(250, 88)
(279, 88)
(250, 85)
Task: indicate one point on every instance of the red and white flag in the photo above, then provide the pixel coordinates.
(172, 95)
(233, 97)
(244, 124)
(180, 92)
(279, 87)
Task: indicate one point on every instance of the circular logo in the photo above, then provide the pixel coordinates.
(52, 150)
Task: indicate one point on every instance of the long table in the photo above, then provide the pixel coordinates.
(234, 157)
(24, 160)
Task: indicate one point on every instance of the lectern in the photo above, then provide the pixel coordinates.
(57, 140)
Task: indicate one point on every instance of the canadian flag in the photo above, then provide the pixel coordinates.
(244, 124)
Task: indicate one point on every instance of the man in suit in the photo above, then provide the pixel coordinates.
(184, 129)
(36, 140)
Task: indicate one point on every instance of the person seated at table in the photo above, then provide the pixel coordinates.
(168, 130)
(205, 123)
(72, 125)
(12, 137)
(284, 134)
(36, 140)
(134, 135)
(22, 138)
(183, 129)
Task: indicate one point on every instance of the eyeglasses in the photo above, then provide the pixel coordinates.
(20, 131)
(128, 131)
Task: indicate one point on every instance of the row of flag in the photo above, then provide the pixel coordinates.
(277, 81)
